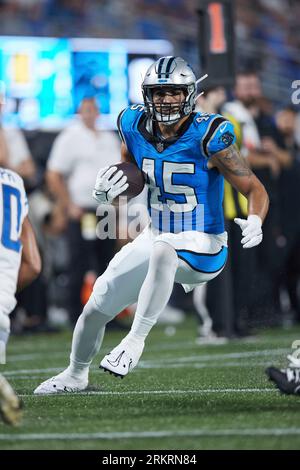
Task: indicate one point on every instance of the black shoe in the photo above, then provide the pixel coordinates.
(287, 380)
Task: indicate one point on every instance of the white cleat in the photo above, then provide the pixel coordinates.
(61, 383)
(123, 358)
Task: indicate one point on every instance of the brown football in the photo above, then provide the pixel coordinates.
(135, 179)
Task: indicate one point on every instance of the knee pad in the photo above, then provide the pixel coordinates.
(165, 255)
(104, 296)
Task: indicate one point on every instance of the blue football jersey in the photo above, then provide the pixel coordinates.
(183, 193)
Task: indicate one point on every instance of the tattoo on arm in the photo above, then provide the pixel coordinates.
(230, 161)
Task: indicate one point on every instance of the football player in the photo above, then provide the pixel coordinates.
(20, 264)
(286, 380)
(185, 157)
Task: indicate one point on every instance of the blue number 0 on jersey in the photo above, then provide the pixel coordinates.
(11, 218)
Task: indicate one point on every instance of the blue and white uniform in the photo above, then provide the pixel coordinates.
(184, 201)
(13, 210)
(185, 196)
(183, 192)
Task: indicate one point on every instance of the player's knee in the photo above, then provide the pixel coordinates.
(92, 309)
(164, 257)
(104, 295)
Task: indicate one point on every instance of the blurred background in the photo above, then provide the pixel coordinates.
(67, 69)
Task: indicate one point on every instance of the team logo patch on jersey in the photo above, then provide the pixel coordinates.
(226, 138)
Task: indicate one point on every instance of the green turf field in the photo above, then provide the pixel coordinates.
(182, 396)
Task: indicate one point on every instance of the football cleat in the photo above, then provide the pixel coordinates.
(286, 380)
(61, 383)
(123, 358)
(10, 405)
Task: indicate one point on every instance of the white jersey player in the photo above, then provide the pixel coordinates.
(19, 265)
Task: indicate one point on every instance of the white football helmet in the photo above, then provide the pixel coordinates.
(171, 72)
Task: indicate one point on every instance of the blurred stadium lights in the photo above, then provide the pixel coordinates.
(46, 78)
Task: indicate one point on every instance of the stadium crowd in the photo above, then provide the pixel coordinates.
(255, 289)
(267, 31)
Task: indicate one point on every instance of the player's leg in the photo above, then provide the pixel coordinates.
(156, 289)
(199, 300)
(206, 256)
(117, 288)
(201, 258)
(286, 380)
(153, 298)
(4, 335)
(10, 404)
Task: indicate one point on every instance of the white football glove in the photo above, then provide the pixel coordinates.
(107, 188)
(251, 230)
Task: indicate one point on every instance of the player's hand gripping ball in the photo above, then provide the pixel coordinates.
(121, 179)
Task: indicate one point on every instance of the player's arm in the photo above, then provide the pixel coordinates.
(107, 186)
(236, 171)
(126, 155)
(31, 263)
(110, 183)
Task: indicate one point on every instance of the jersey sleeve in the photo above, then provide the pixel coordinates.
(126, 122)
(120, 126)
(219, 136)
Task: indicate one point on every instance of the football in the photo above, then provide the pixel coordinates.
(135, 179)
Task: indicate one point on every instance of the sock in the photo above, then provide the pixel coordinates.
(87, 339)
(3, 342)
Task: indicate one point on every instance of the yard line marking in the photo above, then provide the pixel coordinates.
(200, 365)
(10, 373)
(14, 351)
(21, 374)
(237, 355)
(34, 356)
(146, 367)
(180, 362)
(200, 357)
(152, 434)
(15, 347)
(158, 392)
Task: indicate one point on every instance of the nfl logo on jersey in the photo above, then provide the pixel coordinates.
(160, 147)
